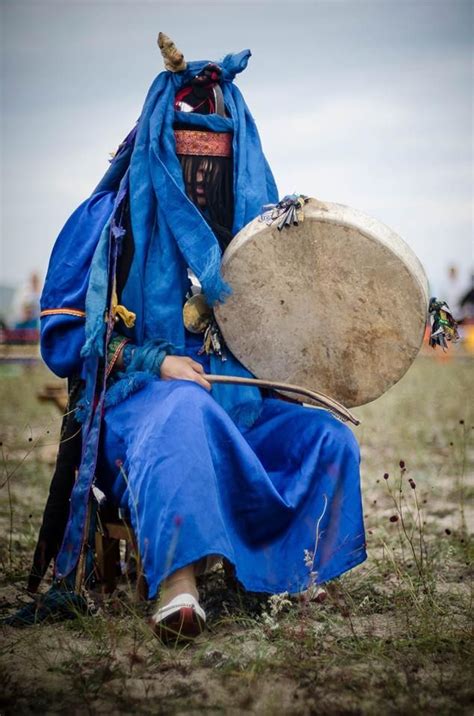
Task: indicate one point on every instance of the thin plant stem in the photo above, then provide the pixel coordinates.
(10, 534)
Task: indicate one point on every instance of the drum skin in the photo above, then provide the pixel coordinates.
(337, 304)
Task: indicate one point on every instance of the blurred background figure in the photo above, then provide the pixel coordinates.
(466, 303)
(20, 320)
(29, 318)
(26, 303)
(452, 289)
(466, 316)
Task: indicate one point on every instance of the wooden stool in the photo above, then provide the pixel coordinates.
(111, 529)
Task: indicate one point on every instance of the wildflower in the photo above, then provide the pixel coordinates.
(269, 622)
(385, 476)
(308, 558)
(402, 464)
(394, 518)
(278, 602)
(119, 463)
(412, 483)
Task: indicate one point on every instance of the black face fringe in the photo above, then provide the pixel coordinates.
(209, 185)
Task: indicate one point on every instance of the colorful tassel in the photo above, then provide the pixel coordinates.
(444, 328)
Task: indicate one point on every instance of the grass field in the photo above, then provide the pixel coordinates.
(392, 637)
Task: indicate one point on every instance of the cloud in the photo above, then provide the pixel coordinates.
(373, 110)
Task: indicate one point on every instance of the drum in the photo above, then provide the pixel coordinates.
(337, 303)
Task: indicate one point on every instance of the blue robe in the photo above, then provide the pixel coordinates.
(196, 485)
(245, 477)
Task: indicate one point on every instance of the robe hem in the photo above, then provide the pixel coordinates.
(293, 587)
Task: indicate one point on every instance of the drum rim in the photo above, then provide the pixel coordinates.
(371, 229)
(386, 234)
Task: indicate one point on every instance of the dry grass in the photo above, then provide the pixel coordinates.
(393, 636)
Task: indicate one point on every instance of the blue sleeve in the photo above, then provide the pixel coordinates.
(64, 293)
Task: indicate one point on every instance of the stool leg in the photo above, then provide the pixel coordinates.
(142, 587)
(141, 592)
(108, 557)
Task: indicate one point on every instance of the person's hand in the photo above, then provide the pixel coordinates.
(183, 368)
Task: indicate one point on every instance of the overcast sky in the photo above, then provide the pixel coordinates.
(366, 103)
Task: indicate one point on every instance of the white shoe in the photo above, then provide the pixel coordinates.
(182, 619)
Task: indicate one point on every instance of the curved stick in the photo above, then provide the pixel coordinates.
(320, 398)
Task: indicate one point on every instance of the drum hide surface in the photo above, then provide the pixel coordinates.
(337, 303)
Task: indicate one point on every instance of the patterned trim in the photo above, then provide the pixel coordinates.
(205, 144)
(64, 311)
(114, 358)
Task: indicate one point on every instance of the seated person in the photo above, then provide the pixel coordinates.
(206, 473)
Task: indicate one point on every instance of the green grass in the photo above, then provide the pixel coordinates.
(393, 636)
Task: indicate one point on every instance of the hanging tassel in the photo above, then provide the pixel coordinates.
(213, 341)
(119, 311)
(288, 212)
(443, 325)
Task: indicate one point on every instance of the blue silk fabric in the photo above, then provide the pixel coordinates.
(67, 281)
(196, 485)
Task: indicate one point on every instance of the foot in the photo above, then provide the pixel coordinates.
(171, 588)
(181, 619)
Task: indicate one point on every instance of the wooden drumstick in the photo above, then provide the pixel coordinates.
(320, 398)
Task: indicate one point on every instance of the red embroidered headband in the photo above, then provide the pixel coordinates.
(205, 144)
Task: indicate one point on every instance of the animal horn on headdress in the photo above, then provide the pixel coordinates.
(174, 59)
